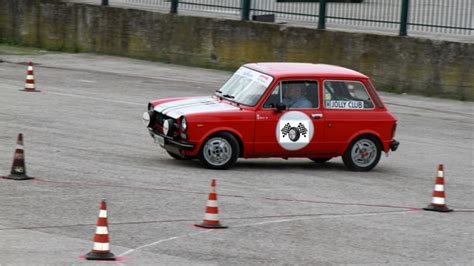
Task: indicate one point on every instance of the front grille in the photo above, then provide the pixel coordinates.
(160, 117)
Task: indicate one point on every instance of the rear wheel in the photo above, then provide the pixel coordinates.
(320, 160)
(363, 154)
(220, 151)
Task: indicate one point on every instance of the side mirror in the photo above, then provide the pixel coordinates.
(280, 107)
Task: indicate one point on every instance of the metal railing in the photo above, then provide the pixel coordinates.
(451, 17)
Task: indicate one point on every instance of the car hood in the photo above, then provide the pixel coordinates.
(177, 108)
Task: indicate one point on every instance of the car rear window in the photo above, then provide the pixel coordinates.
(346, 94)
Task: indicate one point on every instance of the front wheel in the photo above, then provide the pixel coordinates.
(363, 154)
(220, 151)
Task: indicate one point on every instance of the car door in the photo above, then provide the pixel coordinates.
(348, 110)
(295, 131)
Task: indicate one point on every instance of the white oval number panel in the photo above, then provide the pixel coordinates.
(294, 130)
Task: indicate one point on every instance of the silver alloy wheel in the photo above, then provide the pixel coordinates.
(364, 152)
(217, 151)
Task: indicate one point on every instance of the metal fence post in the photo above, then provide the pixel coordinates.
(174, 7)
(322, 15)
(245, 9)
(404, 18)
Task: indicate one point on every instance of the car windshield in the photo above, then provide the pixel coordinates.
(246, 86)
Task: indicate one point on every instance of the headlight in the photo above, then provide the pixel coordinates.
(168, 127)
(184, 124)
(149, 118)
(146, 118)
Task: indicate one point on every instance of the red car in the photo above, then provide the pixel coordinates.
(282, 110)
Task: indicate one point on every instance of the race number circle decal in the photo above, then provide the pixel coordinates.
(294, 130)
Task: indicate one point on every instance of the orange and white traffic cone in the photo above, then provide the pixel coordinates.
(101, 249)
(438, 203)
(211, 217)
(18, 171)
(30, 80)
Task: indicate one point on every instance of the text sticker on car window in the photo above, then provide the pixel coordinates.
(261, 78)
(264, 79)
(345, 104)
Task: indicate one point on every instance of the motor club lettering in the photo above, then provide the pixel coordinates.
(345, 104)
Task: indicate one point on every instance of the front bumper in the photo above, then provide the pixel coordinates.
(169, 143)
(394, 145)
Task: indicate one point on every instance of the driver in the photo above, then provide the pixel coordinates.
(294, 98)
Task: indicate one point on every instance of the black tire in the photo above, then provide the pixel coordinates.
(296, 135)
(320, 160)
(230, 152)
(178, 157)
(358, 166)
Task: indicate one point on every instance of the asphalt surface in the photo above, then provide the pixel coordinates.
(85, 141)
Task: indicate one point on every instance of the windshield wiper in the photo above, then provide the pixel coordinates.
(228, 96)
(218, 93)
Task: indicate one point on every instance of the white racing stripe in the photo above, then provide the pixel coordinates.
(201, 108)
(177, 108)
(182, 103)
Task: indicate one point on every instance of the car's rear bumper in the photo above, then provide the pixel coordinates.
(394, 145)
(169, 143)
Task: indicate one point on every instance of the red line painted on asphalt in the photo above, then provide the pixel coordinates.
(229, 195)
(117, 186)
(344, 203)
(154, 77)
(324, 216)
(195, 220)
(93, 98)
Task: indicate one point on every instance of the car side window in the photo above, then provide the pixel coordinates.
(301, 94)
(274, 98)
(344, 94)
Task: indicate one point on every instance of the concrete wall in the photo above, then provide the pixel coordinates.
(400, 64)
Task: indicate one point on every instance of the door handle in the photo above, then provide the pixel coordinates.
(317, 116)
